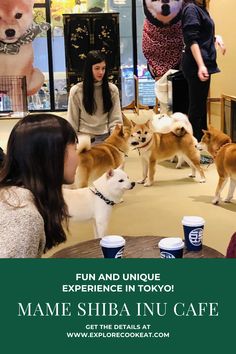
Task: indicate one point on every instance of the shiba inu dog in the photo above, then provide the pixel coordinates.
(16, 50)
(162, 123)
(155, 147)
(99, 158)
(96, 203)
(220, 146)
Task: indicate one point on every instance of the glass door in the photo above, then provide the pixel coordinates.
(145, 82)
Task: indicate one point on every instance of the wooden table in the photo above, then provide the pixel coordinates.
(136, 247)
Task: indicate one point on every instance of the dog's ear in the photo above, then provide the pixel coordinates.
(126, 131)
(206, 133)
(110, 173)
(133, 123)
(118, 128)
(148, 124)
(126, 121)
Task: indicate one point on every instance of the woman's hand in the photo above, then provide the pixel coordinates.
(203, 73)
(220, 44)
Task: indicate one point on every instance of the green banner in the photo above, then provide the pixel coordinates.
(108, 306)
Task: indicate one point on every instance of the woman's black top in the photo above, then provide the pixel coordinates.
(198, 27)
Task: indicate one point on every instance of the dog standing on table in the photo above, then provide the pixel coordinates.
(96, 160)
(154, 147)
(96, 203)
(223, 151)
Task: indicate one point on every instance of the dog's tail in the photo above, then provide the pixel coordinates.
(84, 143)
(179, 129)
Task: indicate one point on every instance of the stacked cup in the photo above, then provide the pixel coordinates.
(112, 246)
(193, 232)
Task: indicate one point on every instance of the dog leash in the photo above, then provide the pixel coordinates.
(100, 195)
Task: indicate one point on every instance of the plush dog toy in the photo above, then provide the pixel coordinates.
(17, 31)
(162, 35)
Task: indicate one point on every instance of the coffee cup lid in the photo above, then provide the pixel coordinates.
(171, 243)
(193, 221)
(112, 241)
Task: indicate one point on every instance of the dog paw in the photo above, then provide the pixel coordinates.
(147, 184)
(178, 166)
(202, 180)
(191, 175)
(141, 181)
(228, 200)
(215, 201)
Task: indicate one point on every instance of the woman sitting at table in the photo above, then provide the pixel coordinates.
(41, 156)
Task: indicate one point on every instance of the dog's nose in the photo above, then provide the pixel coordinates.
(199, 147)
(134, 143)
(165, 9)
(10, 32)
(143, 140)
(132, 185)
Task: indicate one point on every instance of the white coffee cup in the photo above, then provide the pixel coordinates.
(171, 247)
(112, 246)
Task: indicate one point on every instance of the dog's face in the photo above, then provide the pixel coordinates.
(212, 139)
(205, 141)
(162, 10)
(141, 134)
(16, 17)
(118, 181)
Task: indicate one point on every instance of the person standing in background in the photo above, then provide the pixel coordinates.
(79, 7)
(199, 59)
(94, 104)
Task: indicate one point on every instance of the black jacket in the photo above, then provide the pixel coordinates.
(198, 27)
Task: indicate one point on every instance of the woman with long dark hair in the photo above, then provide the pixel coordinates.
(41, 156)
(199, 59)
(94, 104)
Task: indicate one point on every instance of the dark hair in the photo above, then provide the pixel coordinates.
(95, 57)
(35, 160)
(203, 4)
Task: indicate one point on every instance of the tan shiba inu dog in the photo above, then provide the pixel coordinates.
(223, 151)
(156, 147)
(162, 123)
(101, 157)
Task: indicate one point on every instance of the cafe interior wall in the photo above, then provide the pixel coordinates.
(223, 13)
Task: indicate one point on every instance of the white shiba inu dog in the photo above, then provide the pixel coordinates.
(95, 202)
